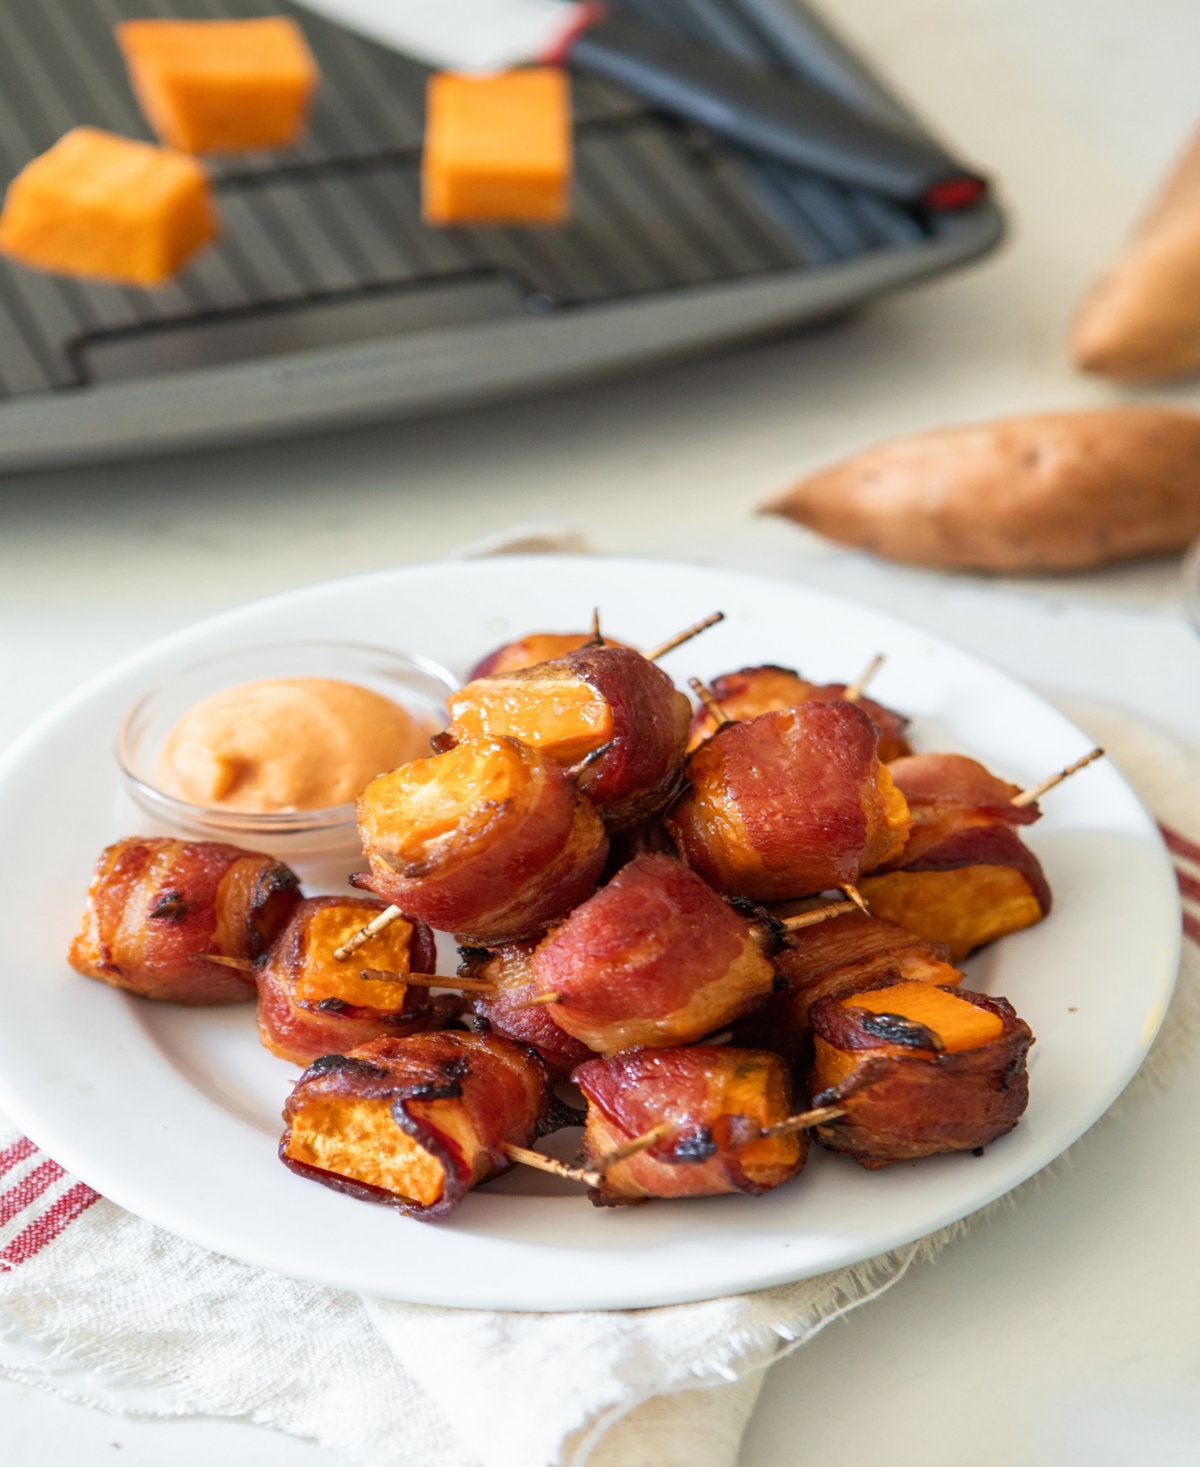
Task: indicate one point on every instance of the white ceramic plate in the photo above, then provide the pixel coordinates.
(174, 1113)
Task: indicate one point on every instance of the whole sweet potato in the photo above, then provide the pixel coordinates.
(1055, 491)
(1141, 321)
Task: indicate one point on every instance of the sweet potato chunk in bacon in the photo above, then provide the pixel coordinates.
(962, 907)
(965, 877)
(793, 802)
(155, 905)
(654, 958)
(491, 840)
(529, 650)
(310, 1004)
(845, 954)
(416, 1122)
(600, 698)
(547, 706)
(744, 695)
(510, 970)
(918, 1070)
(715, 1102)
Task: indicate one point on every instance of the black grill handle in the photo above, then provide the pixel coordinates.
(789, 119)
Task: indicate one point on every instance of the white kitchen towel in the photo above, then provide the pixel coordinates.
(106, 1309)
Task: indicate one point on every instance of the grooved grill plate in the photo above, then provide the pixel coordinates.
(323, 247)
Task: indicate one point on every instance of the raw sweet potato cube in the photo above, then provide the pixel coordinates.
(498, 148)
(105, 206)
(221, 86)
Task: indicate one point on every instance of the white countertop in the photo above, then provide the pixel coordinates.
(1062, 1332)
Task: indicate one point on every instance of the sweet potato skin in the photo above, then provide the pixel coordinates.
(1141, 321)
(1052, 491)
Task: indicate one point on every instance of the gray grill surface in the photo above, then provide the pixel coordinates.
(334, 226)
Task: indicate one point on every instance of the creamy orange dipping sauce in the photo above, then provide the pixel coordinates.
(284, 744)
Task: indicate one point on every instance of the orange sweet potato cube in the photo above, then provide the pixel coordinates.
(105, 206)
(221, 86)
(498, 148)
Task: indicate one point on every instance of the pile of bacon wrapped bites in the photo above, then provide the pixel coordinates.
(728, 930)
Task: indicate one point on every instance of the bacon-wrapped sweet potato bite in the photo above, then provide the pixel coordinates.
(510, 970)
(965, 876)
(845, 954)
(156, 907)
(791, 803)
(917, 1069)
(654, 958)
(310, 1004)
(416, 1122)
(602, 703)
(533, 648)
(753, 690)
(709, 1104)
(491, 840)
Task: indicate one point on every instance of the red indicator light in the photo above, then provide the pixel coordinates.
(953, 194)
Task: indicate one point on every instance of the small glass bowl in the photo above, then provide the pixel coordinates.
(322, 845)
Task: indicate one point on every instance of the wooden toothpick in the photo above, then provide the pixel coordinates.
(631, 1148)
(819, 914)
(594, 1176)
(803, 1121)
(686, 636)
(710, 701)
(385, 919)
(542, 1163)
(575, 770)
(859, 686)
(857, 897)
(1035, 792)
(539, 1002)
(428, 980)
(243, 965)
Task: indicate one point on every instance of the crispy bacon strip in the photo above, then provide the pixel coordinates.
(604, 703)
(153, 903)
(654, 958)
(846, 954)
(309, 1004)
(753, 690)
(949, 793)
(416, 1122)
(965, 877)
(791, 803)
(510, 969)
(715, 1101)
(491, 840)
(903, 1098)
